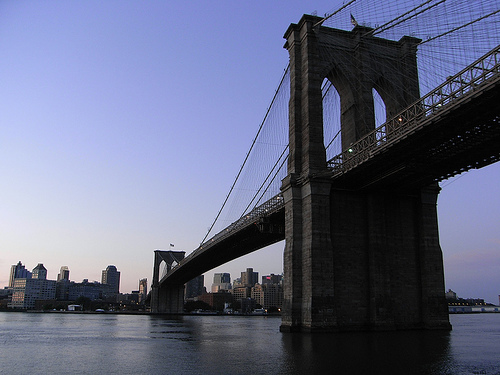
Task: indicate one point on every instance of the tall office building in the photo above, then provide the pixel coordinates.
(222, 282)
(39, 272)
(63, 283)
(63, 273)
(18, 271)
(272, 279)
(249, 278)
(110, 281)
(195, 287)
(143, 290)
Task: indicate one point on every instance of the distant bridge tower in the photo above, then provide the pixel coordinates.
(166, 298)
(356, 258)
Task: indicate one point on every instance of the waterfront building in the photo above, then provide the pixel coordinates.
(26, 291)
(18, 271)
(129, 299)
(268, 295)
(222, 282)
(241, 292)
(450, 294)
(216, 300)
(110, 281)
(90, 290)
(5, 297)
(195, 287)
(39, 272)
(62, 290)
(249, 278)
(247, 305)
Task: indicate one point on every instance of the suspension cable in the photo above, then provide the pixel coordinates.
(381, 28)
(248, 153)
(263, 183)
(461, 27)
(276, 174)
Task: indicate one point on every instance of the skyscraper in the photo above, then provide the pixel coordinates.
(195, 287)
(63, 273)
(222, 282)
(39, 272)
(111, 281)
(143, 290)
(272, 279)
(249, 278)
(62, 286)
(17, 271)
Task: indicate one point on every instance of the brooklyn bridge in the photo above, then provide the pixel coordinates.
(374, 110)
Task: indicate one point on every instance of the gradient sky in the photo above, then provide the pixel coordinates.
(124, 123)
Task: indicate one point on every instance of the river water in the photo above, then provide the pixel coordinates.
(45, 343)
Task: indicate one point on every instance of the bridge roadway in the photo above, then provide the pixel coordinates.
(453, 129)
(261, 227)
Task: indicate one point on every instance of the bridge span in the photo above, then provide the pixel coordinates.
(459, 130)
(261, 227)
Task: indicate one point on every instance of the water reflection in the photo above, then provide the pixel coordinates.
(364, 353)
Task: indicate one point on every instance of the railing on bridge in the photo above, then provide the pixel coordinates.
(450, 92)
(267, 208)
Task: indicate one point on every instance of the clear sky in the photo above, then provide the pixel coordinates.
(124, 123)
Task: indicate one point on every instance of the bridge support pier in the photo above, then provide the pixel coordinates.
(377, 267)
(169, 299)
(388, 262)
(308, 261)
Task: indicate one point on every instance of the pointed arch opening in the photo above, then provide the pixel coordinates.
(163, 267)
(331, 119)
(380, 113)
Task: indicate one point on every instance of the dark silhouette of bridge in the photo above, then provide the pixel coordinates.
(362, 245)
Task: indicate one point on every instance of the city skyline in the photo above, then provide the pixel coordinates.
(109, 275)
(125, 125)
(64, 273)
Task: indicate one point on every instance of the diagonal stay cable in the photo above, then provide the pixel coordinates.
(264, 182)
(271, 181)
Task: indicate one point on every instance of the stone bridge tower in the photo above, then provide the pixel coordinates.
(166, 298)
(355, 258)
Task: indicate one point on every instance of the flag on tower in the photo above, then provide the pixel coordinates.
(353, 20)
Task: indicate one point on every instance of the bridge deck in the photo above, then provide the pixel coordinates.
(259, 228)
